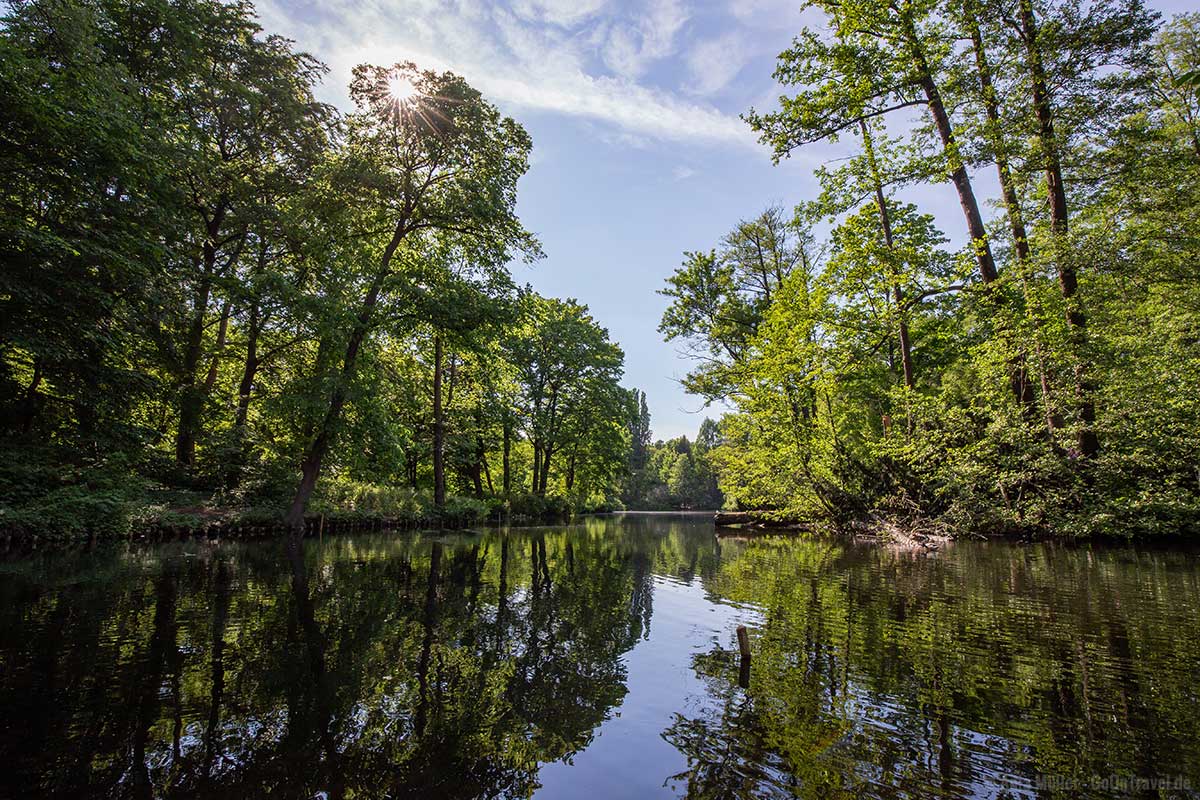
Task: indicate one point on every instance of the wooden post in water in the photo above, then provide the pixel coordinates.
(744, 646)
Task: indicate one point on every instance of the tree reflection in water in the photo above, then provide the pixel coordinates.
(459, 666)
(980, 672)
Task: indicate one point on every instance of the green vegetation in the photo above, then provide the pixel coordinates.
(673, 475)
(1041, 378)
(222, 299)
(210, 279)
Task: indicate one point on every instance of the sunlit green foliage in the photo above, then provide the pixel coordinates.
(1041, 379)
(209, 279)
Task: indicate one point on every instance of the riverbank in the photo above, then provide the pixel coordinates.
(169, 514)
(927, 533)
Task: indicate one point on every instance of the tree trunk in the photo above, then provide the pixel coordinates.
(191, 397)
(537, 465)
(547, 452)
(411, 465)
(1068, 281)
(958, 171)
(480, 453)
(245, 388)
(1016, 217)
(885, 221)
(487, 474)
(310, 465)
(507, 464)
(30, 404)
(962, 184)
(477, 470)
(439, 428)
(210, 379)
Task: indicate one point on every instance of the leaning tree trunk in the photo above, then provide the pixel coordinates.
(1016, 219)
(1068, 280)
(958, 170)
(310, 465)
(1018, 376)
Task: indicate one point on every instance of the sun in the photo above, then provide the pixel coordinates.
(402, 89)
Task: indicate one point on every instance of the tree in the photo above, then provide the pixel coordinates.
(562, 359)
(430, 157)
(718, 298)
(883, 59)
(249, 128)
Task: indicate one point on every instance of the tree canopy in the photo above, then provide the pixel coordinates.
(211, 279)
(1040, 377)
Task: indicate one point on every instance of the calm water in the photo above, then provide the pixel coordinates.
(599, 660)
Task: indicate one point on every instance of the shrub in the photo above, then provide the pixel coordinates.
(460, 512)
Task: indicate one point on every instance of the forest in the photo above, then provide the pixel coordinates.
(222, 299)
(945, 395)
(1042, 375)
(221, 295)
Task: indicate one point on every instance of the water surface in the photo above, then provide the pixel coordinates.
(599, 660)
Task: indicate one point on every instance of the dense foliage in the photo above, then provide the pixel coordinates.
(218, 292)
(1044, 376)
(669, 476)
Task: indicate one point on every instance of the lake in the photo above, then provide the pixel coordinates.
(599, 660)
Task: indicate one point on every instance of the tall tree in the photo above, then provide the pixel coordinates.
(882, 59)
(424, 152)
(561, 357)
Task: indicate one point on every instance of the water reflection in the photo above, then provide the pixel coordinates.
(598, 657)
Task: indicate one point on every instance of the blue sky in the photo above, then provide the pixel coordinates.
(639, 153)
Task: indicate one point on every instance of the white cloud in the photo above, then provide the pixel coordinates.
(524, 58)
(566, 13)
(682, 172)
(634, 45)
(762, 12)
(712, 64)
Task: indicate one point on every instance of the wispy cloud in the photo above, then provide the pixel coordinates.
(566, 13)
(583, 58)
(682, 172)
(632, 45)
(715, 62)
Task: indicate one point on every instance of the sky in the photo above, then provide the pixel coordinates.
(639, 152)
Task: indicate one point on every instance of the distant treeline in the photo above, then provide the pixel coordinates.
(674, 475)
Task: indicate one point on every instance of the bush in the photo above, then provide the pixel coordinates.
(461, 512)
(529, 507)
(72, 512)
(42, 498)
(371, 499)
